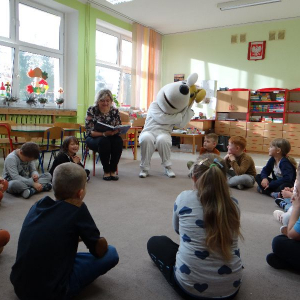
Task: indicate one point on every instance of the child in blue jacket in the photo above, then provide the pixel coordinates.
(280, 166)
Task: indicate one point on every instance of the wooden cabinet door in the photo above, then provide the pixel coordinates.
(224, 101)
(239, 102)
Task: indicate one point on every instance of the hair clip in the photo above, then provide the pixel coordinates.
(219, 164)
(202, 161)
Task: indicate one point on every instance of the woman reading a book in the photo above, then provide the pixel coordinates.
(107, 143)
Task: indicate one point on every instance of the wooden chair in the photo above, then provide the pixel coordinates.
(18, 140)
(6, 144)
(50, 135)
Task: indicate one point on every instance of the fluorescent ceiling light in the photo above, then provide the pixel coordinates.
(243, 3)
(117, 1)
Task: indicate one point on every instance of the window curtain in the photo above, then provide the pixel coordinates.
(146, 66)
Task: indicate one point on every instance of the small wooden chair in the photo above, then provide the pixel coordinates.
(6, 144)
(53, 133)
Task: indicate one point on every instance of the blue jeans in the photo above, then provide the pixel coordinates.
(88, 267)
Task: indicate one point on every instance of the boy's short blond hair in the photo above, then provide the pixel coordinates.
(238, 141)
(68, 179)
(212, 136)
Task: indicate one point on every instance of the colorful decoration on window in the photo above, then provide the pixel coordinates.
(40, 85)
(2, 89)
(8, 85)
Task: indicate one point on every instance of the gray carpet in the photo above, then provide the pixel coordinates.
(130, 211)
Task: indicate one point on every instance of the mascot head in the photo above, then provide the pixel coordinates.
(175, 97)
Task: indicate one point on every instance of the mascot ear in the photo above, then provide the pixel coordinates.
(200, 95)
(192, 79)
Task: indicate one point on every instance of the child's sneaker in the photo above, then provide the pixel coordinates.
(259, 189)
(278, 215)
(47, 187)
(275, 195)
(280, 202)
(143, 174)
(169, 172)
(28, 193)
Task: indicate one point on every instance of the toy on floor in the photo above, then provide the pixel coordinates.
(4, 239)
(3, 187)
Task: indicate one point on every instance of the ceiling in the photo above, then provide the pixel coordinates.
(176, 16)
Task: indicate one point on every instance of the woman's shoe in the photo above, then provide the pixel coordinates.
(114, 178)
(107, 178)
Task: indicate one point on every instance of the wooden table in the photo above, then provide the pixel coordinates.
(136, 130)
(193, 136)
(34, 131)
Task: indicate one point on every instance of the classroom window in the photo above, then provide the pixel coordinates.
(34, 41)
(6, 64)
(113, 64)
(39, 27)
(4, 19)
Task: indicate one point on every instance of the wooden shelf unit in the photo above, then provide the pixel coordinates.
(9, 112)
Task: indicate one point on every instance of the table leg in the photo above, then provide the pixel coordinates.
(194, 142)
(135, 144)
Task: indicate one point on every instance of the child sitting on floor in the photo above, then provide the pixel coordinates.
(20, 172)
(281, 166)
(67, 153)
(208, 222)
(4, 239)
(242, 170)
(47, 264)
(209, 146)
(286, 247)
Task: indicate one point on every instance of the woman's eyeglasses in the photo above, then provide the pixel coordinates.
(104, 100)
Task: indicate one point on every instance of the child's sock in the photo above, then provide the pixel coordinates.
(275, 195)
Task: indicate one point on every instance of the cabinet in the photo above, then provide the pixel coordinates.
(232, 101)
(267, 105)
(292, 106)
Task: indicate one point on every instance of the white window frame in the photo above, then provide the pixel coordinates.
(118, 66)
(14, 42)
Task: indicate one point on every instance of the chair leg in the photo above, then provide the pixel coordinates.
(41, 161)
(94, 162)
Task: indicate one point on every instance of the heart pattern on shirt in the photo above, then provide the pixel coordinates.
(185, 211)
(201, 287)
(224, 270)
(202, 254)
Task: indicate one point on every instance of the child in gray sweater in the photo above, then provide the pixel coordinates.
(21, 174)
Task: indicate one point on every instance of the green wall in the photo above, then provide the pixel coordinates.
(211, 54)
(86, 51)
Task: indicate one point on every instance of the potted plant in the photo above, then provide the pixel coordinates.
(31, 100)
(116, 100)
(60, 100)
(10, 99)
(43, 101)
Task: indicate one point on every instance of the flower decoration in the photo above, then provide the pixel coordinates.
(8, 85)
(2, 89)
(60, 100)
(29, 89)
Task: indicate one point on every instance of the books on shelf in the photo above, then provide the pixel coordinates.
(102, 127)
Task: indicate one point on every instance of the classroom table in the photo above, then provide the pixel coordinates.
(136, 130)
(193, 136)
(35, 131)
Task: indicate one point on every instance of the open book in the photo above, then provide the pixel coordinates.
(102, 127)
